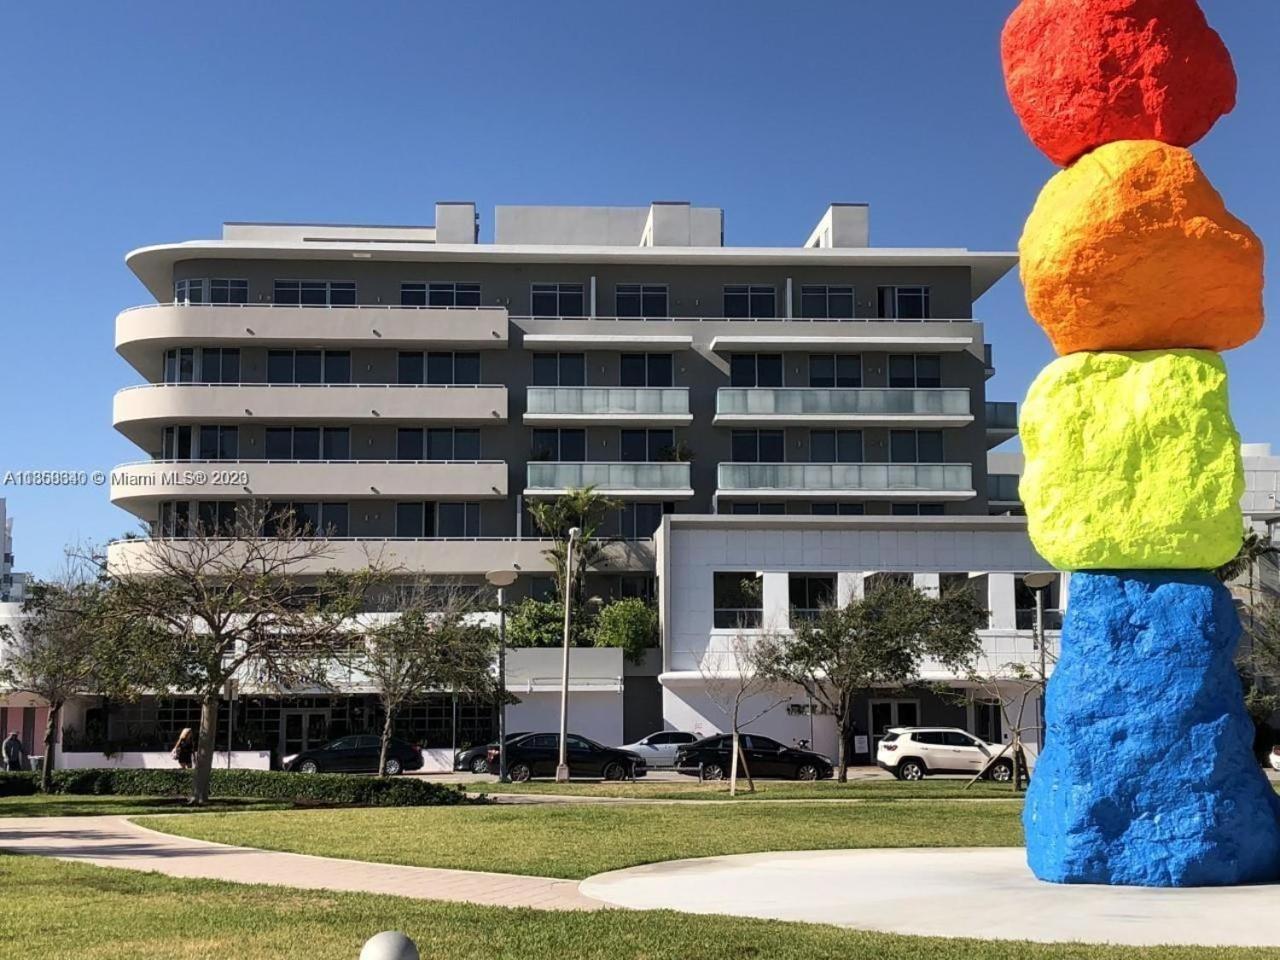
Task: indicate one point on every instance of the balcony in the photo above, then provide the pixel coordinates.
(142, 332)
(635, 481)
(864, 481)
(871, 407)
(584, 406)
(137, 487)
(1002, 489)
(139, 410)
(1001, 422)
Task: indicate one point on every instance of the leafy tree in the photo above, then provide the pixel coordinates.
(877, 641)
(586, 510)
(630, 624)
(537, 623)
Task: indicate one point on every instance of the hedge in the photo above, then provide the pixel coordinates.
(317, 788)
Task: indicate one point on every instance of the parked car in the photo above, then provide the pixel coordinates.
(912, 753)
(356, 754)
(476, 760)
(659, 749)
(1275, 758)
(538, 755)
(767, 758)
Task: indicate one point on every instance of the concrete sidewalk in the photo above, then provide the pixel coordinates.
(115, 842)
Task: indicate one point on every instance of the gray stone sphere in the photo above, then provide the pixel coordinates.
(389, 945)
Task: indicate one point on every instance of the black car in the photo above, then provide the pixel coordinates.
(766, 757)
(476, 760)
(356, 754)
(538, 755)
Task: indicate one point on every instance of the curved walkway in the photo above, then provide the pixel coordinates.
(116, 842)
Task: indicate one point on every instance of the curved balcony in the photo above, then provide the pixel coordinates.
(862, 481)
(585, 406)
(142, 333)
(863, 406)
(634, 481)
(140, 409)
(137, 487)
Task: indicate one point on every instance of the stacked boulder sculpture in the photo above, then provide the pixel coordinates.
(1140, 276)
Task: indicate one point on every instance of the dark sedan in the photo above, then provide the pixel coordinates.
(356, 754)
(476, 759)
(538, 755)
(767, 759)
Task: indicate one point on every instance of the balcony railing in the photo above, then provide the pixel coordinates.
(1026, 619)
(923, 478)
(860, 402)
(615, 477)
(608, 401)
(1003, 487)
(713, 319)
(1002, 415)
(737, 618)
(303, 306)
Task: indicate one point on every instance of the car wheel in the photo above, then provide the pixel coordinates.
(911, 770)
(480, 765)
(615, 771)
(393, 767)
(712, 771)
(806, 771)
(519, 772)
(308, 766)
(1002, 772)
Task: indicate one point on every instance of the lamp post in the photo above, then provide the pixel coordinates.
(562, 768)
(1038, 583)
(502, 579)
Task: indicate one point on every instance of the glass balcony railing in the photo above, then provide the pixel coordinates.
(854, 477)
(1002, 415)
(609, 401)
(861, 402)
(608, 476)
(1002, 487)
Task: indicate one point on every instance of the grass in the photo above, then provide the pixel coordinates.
(73, 805)
(577, 840)
(765, 790)
(63, 911)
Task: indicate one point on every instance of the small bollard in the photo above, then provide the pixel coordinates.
(389, 945)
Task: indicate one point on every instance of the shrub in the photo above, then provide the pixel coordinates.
(630, 624)
(535, 623)
(319, 788)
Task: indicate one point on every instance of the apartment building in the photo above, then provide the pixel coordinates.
(414, 389)
(12, 583)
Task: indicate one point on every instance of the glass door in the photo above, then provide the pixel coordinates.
(302, 730)
(891, 713)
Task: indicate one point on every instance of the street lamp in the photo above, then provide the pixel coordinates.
(1038, 583)
(562, 768)
(502, 579)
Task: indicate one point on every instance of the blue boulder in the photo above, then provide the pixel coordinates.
(1148, 776)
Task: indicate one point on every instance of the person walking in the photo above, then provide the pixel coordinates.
(15, 755)
(184, 750)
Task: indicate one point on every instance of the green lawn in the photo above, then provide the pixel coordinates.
(691, 789)
(578, 840)
(62, 911)
(71, 805)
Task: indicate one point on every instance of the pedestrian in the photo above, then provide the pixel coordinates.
(15, 756)
(185, 749)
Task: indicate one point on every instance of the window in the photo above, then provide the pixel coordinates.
(819, 302)
(316, 293)
(835, 446)
(842, 370)
(559, 370)
(918, 510)
(556, 300)
(560, 445)
(446, 519)
(217, 290)
(757, 446)
(437, 443)
(745, 301)
(308, 366)
(738, 601)
(954, 738)
(440, 294)
(646, 446)
(637, 521)
(915, 370)
(810, 592)
(220, 365)
(903, 303)
(308, 443)
(175, 443)
(641, 299)
(180, 365)
(915, 446)
(174, 519)
(647, 370)
(752, 509)
(841, 509)
(756, 742)
(216, 517)
(308, 519)
(438, 368)
(755, 370)
(219, 443)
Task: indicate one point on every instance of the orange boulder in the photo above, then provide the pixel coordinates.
(1131, 248)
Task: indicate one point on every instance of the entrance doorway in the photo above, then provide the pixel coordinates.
(986, 721)
(302, 730)
(891, 713)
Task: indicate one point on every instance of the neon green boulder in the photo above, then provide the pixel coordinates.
(1132, 462)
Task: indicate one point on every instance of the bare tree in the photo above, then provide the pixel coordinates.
(1015, 688)
(230, 603)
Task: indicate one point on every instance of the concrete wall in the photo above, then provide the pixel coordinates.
(593, 714)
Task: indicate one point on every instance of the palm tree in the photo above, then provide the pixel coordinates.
(1253, 548)
(581, 508)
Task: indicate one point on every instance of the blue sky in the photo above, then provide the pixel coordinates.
(127, 124)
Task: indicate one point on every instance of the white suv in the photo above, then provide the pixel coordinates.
(912, 753)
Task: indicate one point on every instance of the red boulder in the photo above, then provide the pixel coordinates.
(1082, 73)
